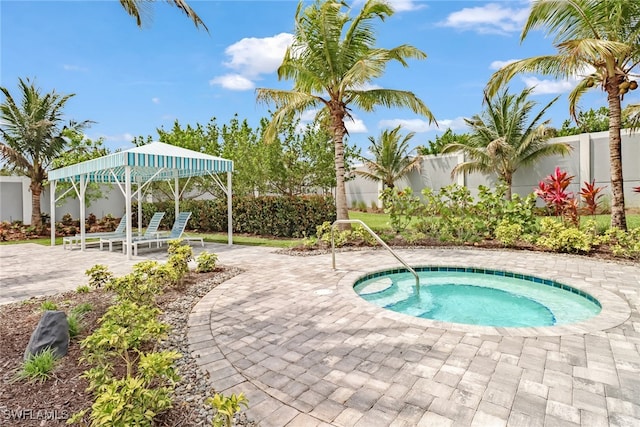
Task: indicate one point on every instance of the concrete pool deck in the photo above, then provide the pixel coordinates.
(292, 335)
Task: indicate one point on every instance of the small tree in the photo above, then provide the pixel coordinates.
(392, 160)
(503, 138)
(32, 136)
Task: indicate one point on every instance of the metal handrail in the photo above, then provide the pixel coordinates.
(378, 239)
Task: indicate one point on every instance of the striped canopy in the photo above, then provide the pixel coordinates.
(151, 162)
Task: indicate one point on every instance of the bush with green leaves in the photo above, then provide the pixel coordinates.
(125, 326)
(179, 256)
(625, 244)
(146, 280)
(99, 276)
(147, 384)
(206, 262)
(357, 235)
(453, 215)
(508, 233)
(279, 216)
(559, 237)
(226, 408)
(39, 367)
(402, 206)
(136, 398)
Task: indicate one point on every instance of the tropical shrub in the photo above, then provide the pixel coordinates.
(226, 408)
(401, 206)
(553, 191)
(99, 276)
(281, 216)
(508, 233)
(206, 262)
(559, 237)
(624, 244)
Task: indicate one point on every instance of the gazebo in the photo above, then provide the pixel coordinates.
(137, 167)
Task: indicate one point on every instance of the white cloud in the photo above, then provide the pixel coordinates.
(355, 125)
(421, 126)
(397, 5)
(155, 100)
(251, 57)
(309, 115)
(404, 5)
(454, 124)
(70, 67)
(545, 87)
(496, 65)
(367, 86)
(126, 137)
(232, 82)
(412, 125)
(491, 18)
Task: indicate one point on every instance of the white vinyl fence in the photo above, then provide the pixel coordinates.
(588, 160)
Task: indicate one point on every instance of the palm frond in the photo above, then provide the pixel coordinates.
(137, 8)
(369, 99)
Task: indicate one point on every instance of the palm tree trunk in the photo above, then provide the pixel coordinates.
(339, 130)
(36, 218)
(618, 218)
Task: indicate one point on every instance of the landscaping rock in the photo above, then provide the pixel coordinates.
(52, 332)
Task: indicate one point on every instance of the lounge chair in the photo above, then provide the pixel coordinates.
(75, 240)
(176, 232)
(151, 231)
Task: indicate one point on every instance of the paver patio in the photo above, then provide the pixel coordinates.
(291, 333)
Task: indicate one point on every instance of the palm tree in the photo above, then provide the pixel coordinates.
(331, 60)
(503, 139)
(392, 160)
(32, 136)
(598, 41)
(135, 8)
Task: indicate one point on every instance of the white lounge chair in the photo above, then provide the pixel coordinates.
(151, 231)
(179, 225)
(75, 240)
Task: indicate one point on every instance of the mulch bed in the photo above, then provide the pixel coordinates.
(25, 403)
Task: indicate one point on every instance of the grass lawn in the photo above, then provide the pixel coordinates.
(208, 237)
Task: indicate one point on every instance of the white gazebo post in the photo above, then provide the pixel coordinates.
(127, 196)
(176, 196)
(83, 211)
(52, 210)
(139, 198)
(229, 210)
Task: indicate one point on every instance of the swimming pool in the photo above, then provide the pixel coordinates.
(478, 296)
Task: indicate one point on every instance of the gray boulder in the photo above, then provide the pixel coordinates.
(52, 332)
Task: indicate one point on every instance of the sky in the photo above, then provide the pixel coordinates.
(131, 81)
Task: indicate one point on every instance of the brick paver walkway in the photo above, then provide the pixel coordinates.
(291, 333)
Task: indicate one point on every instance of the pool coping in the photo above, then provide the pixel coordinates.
(614, 310)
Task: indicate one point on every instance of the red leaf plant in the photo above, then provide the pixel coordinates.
(591, 197)
(553, 191)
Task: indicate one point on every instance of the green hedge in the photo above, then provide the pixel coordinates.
(280, 216)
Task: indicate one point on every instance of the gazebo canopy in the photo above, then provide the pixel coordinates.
(140, 166)
(156, 161)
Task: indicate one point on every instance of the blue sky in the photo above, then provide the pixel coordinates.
(132, 80)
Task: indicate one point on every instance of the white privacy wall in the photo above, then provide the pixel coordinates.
(589, 159)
